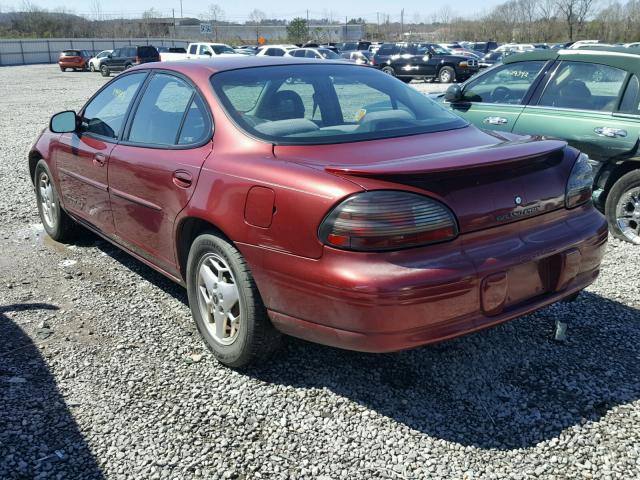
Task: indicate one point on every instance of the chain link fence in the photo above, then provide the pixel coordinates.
(31, 51)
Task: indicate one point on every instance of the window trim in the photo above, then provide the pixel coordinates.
(117, 139)
(124, 140)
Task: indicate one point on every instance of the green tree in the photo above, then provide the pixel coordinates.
(297, 30)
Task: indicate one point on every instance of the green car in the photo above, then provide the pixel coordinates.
(589, 97)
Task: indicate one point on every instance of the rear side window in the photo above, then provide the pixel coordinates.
(193, 49)
(167, 106)
(386, 50)
(105, 114)
(147, 52)
(584, 86)
(630, 100)
(506, 85)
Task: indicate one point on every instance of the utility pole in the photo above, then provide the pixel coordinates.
(173, 14)
(402, 24)
(346, 29)
(378, 21)
(181, 9)
(308, 34)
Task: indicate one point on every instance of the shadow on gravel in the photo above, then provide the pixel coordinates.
(35, 421)
(504, 388)
(508, 387)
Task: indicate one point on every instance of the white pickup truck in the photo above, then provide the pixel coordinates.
(209, 50)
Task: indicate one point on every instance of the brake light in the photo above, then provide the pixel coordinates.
(580, 183)
(137, 59)
(387, 220)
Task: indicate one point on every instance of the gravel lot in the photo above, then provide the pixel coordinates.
(101, 373)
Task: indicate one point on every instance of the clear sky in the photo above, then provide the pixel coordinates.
(238, 10)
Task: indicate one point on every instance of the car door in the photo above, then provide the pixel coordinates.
(581, 103)
(496, 98)
(154, 169)
(82, 157)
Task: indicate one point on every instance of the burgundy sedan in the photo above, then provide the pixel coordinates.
(319, 199)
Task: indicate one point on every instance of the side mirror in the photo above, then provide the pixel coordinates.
(109, 55)
(453, 94)
(208, 53)
(64, 122)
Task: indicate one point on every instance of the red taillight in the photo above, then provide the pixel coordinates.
(387, 220)
(580, 183)
(137, 59)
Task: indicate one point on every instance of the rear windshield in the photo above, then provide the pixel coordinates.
(70, 53)
(147, 52)
(323, 104)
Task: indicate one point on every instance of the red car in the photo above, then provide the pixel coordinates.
(74, 59)
(319, 199)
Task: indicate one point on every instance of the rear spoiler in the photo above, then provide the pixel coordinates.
(457, 160)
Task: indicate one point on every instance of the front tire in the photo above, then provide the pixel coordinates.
(622, 208)
(446, 75)
(226, 305)
(92, 68)
(58, 225)
(104, 71)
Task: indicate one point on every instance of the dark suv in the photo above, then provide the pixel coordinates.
(423, 60)
(127, 57)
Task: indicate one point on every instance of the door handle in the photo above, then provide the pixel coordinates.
(182, 179)
(99, 160)
(610, 132)
(495, 121)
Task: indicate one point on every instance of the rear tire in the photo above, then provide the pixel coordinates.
(389, 71)
(622, 208)
(104, 71)
(58, 225)
(62, 69)
(406, 79)
(226, 305)
(446, 75)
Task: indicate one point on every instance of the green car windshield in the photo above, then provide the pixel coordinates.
(326, 103)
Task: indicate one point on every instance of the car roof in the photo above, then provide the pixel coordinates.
(618, 57)
(220, 64)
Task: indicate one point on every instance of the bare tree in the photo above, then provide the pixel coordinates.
(256, 17)
(215, 13)
(574, 13)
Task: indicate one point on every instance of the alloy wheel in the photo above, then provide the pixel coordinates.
(47, 200)
(219, 299)
(628, 215)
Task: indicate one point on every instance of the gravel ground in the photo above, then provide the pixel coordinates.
(102, 373)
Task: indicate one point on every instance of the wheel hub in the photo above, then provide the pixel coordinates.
(47, 201)
(219, 299)
(628, 215)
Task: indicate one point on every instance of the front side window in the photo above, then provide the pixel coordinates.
(311, 54)
(323, 104)
(105, 114)
(203, 50)
(159, 115)
(584, 86)
(507, 84)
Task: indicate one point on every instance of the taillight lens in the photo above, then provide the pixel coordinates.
(137, 59)
(387, 220)
(579, 185)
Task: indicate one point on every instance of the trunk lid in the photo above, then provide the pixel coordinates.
(487, 179)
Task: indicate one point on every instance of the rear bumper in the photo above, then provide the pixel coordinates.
(74, 64)
(380, 302)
